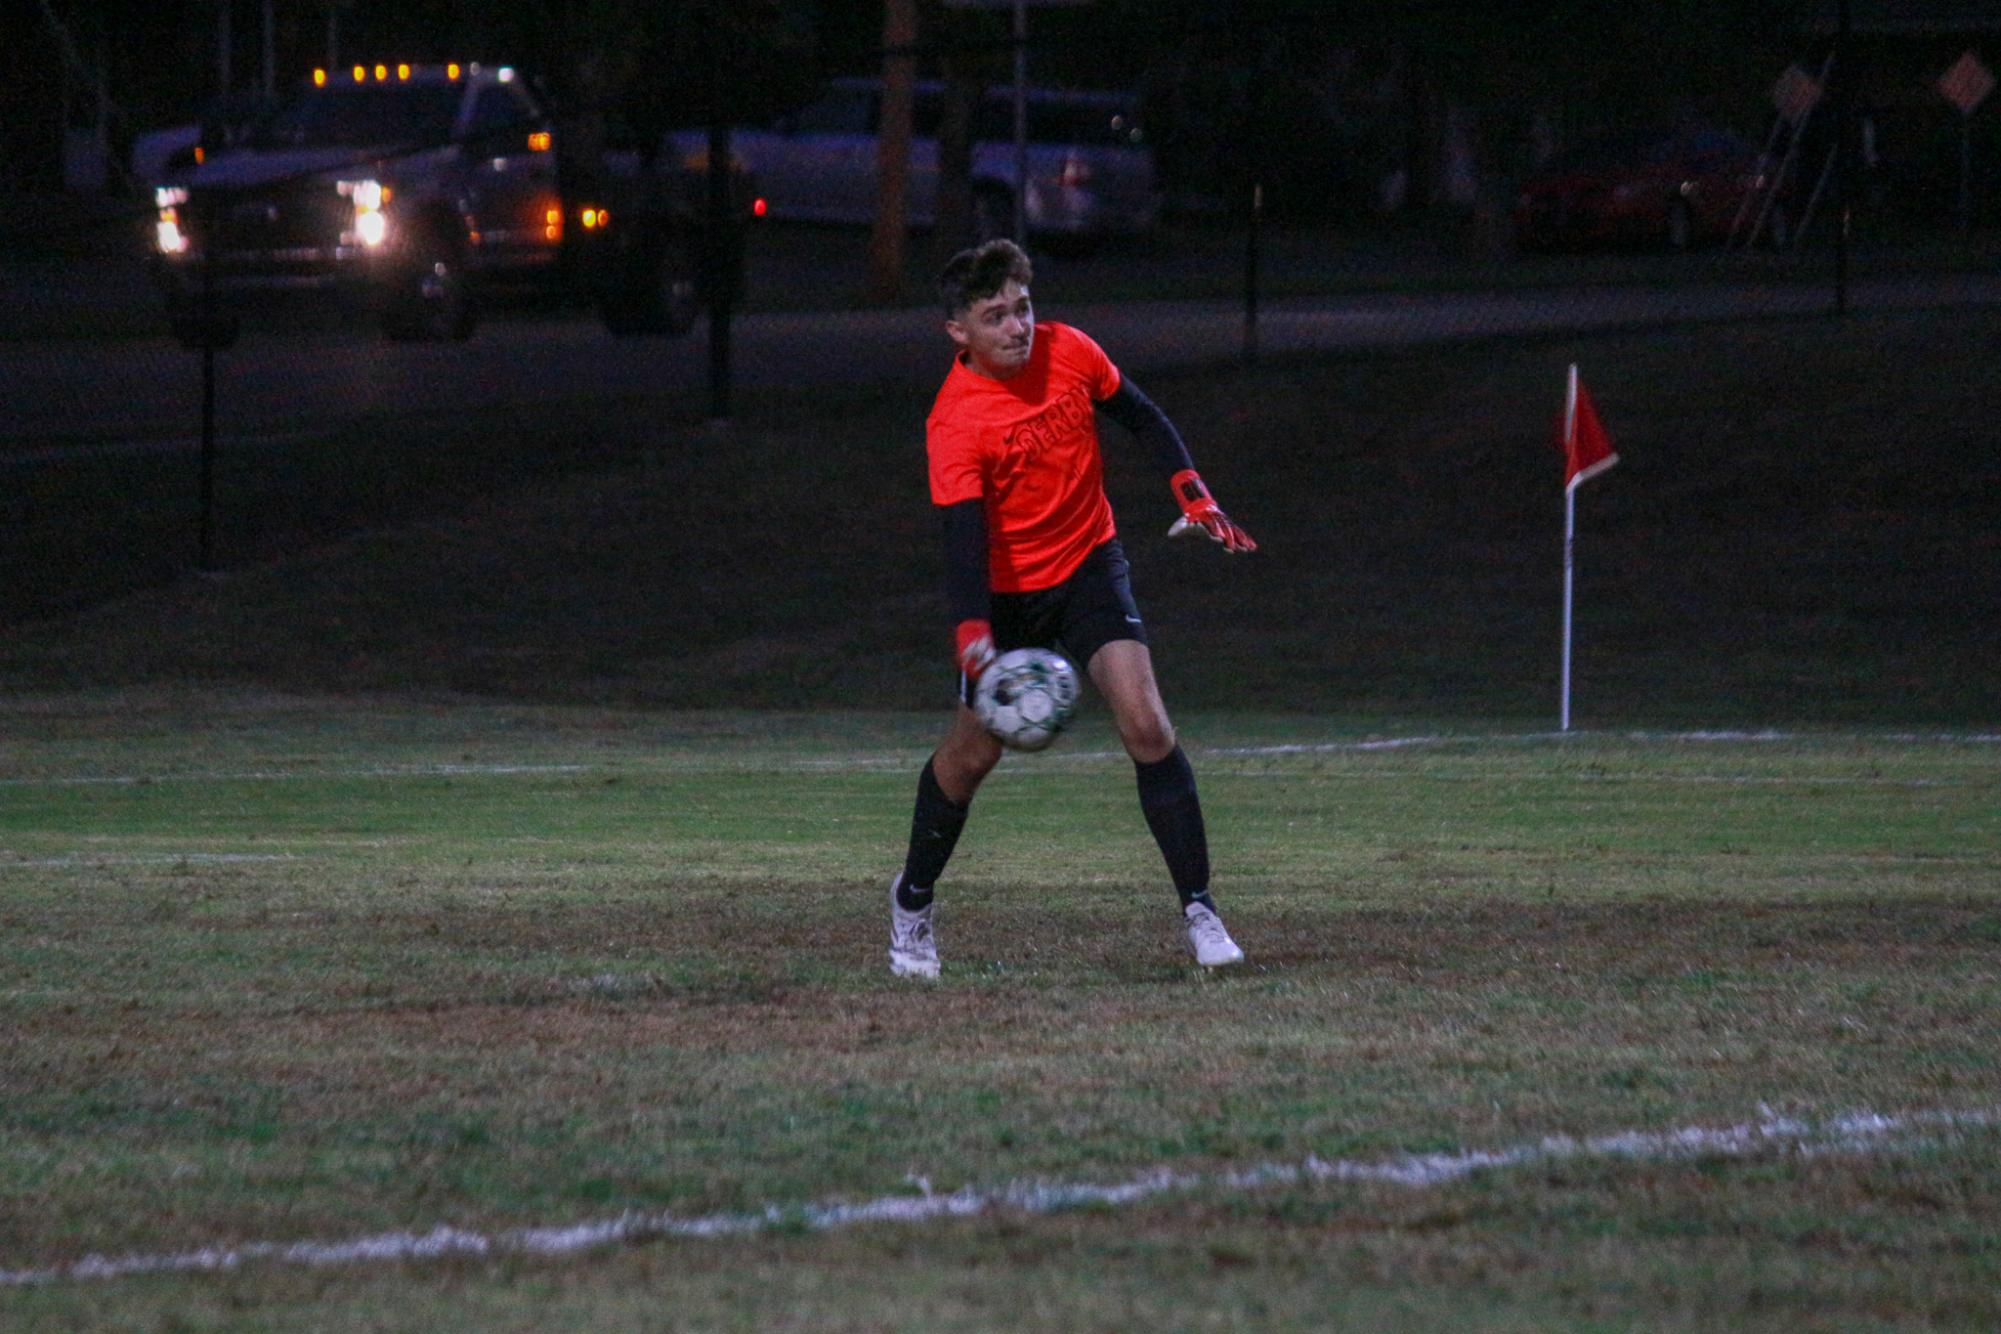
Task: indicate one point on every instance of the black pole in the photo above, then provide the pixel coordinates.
(1021, 122)
(1251, 244)
(718, 231)
(1965, 172)
(1844, 117)
(1258, 121)
(206, 556)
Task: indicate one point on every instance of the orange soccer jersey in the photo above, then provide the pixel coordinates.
(1027, 446)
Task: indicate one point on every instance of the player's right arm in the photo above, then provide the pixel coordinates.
(958, 474)
(966, 590)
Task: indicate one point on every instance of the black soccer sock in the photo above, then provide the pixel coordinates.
(1174, 814)
(934, 832)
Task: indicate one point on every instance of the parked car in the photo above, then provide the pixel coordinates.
(1090, 169)
(1671, 189)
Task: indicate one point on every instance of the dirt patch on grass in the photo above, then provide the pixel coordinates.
(1485, 986)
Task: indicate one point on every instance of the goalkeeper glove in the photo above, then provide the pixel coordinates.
(976, 647)
(1201, 514)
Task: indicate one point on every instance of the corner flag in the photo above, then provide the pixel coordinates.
(1587, 451)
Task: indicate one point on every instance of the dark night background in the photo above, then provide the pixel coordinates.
(1326, 99)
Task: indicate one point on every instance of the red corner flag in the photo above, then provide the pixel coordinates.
(1587, 450)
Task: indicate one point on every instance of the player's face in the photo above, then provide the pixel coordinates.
(996, 333)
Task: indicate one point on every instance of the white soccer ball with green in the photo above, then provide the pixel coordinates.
(1026, 697)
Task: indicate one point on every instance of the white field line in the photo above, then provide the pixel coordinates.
(1700, 780)
(845, 763)
(1670, 738)
(89, 859)
(1857, 1132)
(293, 775)
(1343, 747)
(903, 760)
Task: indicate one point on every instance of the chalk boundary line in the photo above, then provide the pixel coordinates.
(1852, 1132)
(867, 763)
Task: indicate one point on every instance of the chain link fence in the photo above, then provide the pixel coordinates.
(142, 440)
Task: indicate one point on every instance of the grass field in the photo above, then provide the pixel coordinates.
(282, 970)
(515, 863)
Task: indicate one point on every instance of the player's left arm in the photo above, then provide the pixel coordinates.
(1200, 513)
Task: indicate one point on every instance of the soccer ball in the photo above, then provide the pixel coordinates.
(1026, 696)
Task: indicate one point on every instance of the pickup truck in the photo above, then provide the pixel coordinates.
(420, 189)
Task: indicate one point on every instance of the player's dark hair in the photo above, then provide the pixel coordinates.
(976, 274)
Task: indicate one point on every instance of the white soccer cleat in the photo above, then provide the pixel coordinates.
(912, 950)
(1208, 940)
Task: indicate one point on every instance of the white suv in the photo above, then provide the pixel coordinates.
(1090, 170)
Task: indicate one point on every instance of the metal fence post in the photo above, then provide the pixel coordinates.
(721, 259)
(1844, 103)
(209, 231)
(718, 251)
(1252, 241)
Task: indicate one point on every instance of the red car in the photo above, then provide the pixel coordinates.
(1669, 190)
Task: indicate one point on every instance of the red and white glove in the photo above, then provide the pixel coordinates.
(1201, 514)
(976, 647)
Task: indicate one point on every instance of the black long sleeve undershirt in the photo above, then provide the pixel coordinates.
(967, 593)
(1149, 425)
(966, 589)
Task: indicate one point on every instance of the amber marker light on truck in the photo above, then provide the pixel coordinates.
(452, 71)
(319, 78)
(538, 142)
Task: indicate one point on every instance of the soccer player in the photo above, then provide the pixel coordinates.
(1032, 559)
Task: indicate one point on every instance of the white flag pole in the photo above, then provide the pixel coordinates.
(1569, 538)
(1569, 534)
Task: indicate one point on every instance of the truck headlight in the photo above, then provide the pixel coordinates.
(371, 224)
(167, 233)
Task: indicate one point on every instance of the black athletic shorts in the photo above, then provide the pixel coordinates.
(1079, 616)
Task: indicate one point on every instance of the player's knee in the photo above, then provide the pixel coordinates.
(961, 764)
(1149, 738)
